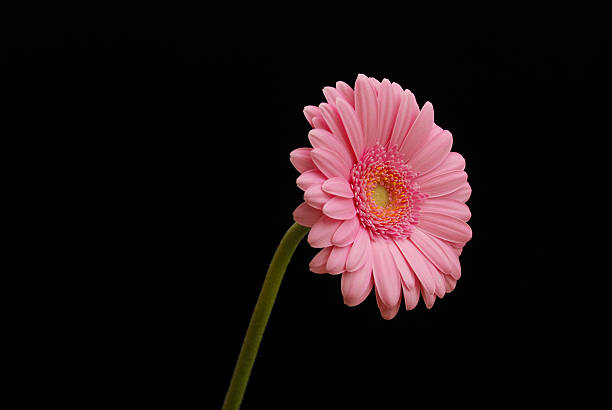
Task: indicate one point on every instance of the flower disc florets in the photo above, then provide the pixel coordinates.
(386, 197)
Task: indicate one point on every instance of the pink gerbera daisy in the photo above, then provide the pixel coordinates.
(383, 194)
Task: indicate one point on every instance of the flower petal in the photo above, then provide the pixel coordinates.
(306, 215)
(360, 250)
(433, 153)
(386, 311)
(310, 111)
(406, 115)
(441, 256)
(397, 96)
(386, 275)
(315, 197)
(319, 122)
(457, 248)
(445, 227)
(419, 264)
(451, 283)
(428, 298)
(332, 118)
(406, 273)
(375, 84)
(444, 205)
(338, 186)
(301, 160)
(337, 259)
(330, 163)
(324, 139)
(462, 194)
(443, 184)
(310, 178)
(353, 127)
(411, 296)
(356, 286)
(347, 92)
(387, 111)
(439, 279)
(366, 109)
(453, 162)
(322, 231)
(419, 132)
(318, 264)
(340, 208)
(346, 232)
(331, 94)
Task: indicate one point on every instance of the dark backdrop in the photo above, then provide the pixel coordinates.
(158, 184)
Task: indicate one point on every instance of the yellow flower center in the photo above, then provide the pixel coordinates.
(380, 195)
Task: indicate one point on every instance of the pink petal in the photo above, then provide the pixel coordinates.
(366, 108)
(462, 194)
(428, 298)
(450, 284)
(338, 186)
(353, 127)
(445, 227)
(386, 276)
(411, 296)
(346, 232)
(319, 122)
(340, 208)
(387, 111)
(440, 255)
(419, 264)
(404, 269)
(330, 163)
(310, 178)
(375, 84)
(419, 132)
(322, 231)
(331, 94)
(453, 162)
(318, 264)
(310, 111)
(387, 312)
(397, 95)
(300, 158)
(444, 205)
(306, 215)
(315, 197)
(406, 115)
(433, 153)
(457, 248)
(332, 118)
(337, 259)
(443, 184)
(356, 286)
(360, 249)
(347, 92)
(324, 139)
(435, 130)
(439, 280)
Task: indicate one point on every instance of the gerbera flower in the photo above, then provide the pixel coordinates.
(383, 194)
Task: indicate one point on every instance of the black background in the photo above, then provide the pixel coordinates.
(157, 184)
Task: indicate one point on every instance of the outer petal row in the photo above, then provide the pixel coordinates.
(393, 268)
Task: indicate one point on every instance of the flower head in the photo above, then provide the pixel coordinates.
(383, 194)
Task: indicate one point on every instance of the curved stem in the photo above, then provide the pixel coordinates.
(260, 316)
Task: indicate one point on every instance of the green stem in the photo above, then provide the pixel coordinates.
(261, 313)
